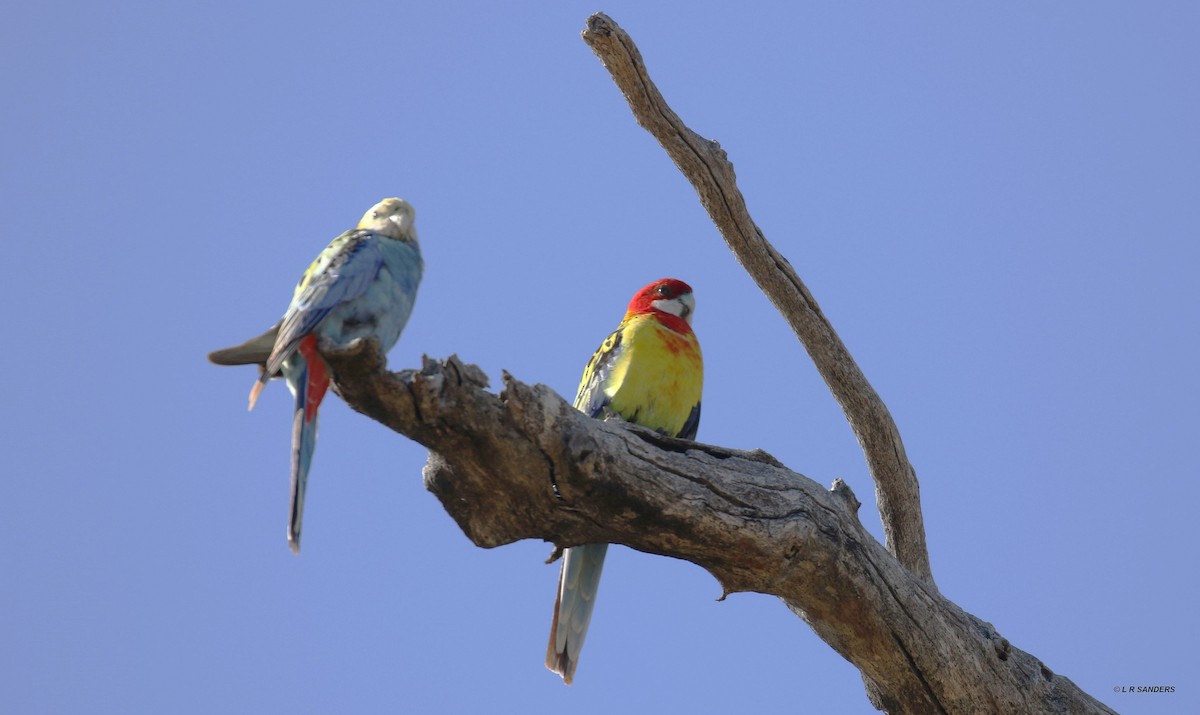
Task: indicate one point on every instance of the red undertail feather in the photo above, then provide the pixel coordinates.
(318, 376)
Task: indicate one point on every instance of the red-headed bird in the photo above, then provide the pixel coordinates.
(362, 285)
(649, 372)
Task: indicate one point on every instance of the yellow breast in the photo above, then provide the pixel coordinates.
(657, 378)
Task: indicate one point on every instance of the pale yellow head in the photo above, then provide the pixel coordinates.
(394, 218)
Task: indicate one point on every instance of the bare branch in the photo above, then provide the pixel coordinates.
(706, 166)
(525, 464)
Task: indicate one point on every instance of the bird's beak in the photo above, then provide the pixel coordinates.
(679, 306)
(688, 301)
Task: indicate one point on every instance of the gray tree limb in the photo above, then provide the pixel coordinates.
(706, 166)
(524, 464)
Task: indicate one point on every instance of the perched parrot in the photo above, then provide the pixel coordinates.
(362, 285)
(649, 372)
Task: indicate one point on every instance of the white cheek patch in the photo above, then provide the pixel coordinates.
(674, 306)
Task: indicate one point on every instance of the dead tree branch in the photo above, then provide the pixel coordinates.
(525, 464)
(706, 166)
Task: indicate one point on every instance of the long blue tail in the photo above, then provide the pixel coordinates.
(304, 442)
(577, 585)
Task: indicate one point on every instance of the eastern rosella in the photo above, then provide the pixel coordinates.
(649, 372)
(362, 285)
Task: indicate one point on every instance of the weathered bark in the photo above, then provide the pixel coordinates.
(705, 165)
(525, 464)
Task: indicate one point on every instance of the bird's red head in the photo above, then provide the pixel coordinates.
(668, 299)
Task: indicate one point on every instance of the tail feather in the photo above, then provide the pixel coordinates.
(304, 440)
(256, 391)
(254, 351)
(311, 381)
(578, 582)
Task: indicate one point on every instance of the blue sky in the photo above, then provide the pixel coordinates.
(996, 206)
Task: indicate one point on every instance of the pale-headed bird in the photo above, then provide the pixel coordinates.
(649, 372)
(362, 285)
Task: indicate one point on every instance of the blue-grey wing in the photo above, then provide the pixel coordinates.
(344, 271)
(692, 425)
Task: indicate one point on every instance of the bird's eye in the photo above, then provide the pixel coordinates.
(664, 291)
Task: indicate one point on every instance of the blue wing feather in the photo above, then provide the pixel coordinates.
(332, 280)
(692, 425)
